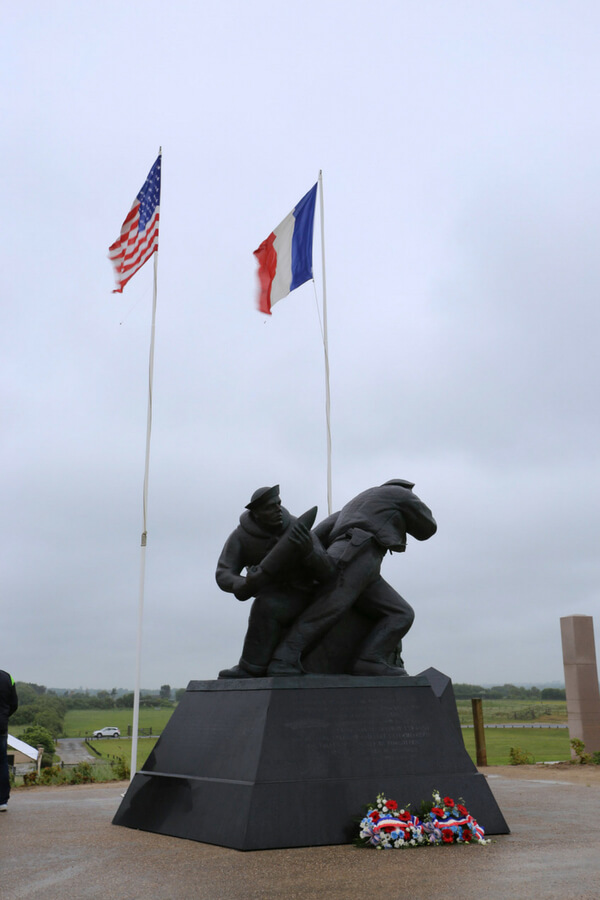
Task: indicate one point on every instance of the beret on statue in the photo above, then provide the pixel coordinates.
(262, 495)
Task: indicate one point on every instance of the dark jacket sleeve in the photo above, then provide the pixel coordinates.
(230, 564)
(13, 703)
(419, 519)
(8, 699)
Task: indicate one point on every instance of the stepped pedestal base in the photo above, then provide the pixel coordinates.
(290, 762)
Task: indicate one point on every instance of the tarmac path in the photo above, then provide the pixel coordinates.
(57, 843)
(73, 750)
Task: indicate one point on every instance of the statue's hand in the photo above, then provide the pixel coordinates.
(242, 592)
(254, 578)
(300, 536)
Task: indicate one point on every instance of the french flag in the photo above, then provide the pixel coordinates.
(285, 257)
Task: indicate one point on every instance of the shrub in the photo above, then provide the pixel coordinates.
(38, 736)
(120, 769)
(82, 773)
(47, 711)
(53, 775)
(579, 750)
(23, 716)
(520, 757)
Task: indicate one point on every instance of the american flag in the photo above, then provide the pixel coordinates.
(139, 232)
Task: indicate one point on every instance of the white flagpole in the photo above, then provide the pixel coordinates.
(138, 668)
(326, 349)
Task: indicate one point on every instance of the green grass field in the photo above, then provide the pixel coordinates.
(82, 722)
(506, 711)
(110, 749)
(542, 744)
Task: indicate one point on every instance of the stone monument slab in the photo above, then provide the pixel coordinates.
(581, 680)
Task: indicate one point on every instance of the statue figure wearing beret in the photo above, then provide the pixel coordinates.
(284, 563)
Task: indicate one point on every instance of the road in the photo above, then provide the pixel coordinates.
(73, 750)
(524, 725)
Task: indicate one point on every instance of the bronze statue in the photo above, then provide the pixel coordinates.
(357, 538)
(305, 583)
(284, 560)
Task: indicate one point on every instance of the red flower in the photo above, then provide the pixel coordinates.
(374, 815)
(391, 804)
(466, 835)
(404, 816)
(462, 810)
(447, 835)
(448, 801)
(436, 811)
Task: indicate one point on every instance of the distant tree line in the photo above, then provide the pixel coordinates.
(46, 709)
(507, 692)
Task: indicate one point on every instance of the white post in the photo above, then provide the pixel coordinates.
(138, 668)
(326, 349)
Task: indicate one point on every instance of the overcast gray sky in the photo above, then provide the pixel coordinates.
(459, 149)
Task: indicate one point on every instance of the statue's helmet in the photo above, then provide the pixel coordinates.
(262, 495)
(409, 485)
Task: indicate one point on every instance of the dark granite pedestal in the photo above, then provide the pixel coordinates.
(290, 762)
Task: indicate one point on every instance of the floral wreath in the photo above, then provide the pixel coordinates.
(386, 827)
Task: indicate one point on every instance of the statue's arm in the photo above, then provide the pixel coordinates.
(321, 566)
(314, 558)
(324, 529)
(419, 519)
(230, 564)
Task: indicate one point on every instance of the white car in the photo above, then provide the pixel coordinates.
(106, 732)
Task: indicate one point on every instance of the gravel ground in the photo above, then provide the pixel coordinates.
(58, 842)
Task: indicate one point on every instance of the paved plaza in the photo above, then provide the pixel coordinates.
(58, 843)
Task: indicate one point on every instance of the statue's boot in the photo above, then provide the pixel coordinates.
(243, 669)
(376, 667)
(284, 667)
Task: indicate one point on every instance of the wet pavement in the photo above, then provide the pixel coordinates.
(59, 843)
(74, 750)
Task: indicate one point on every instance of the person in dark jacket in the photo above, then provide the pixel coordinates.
(357, 538)
(279, 597)
(8, 705)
